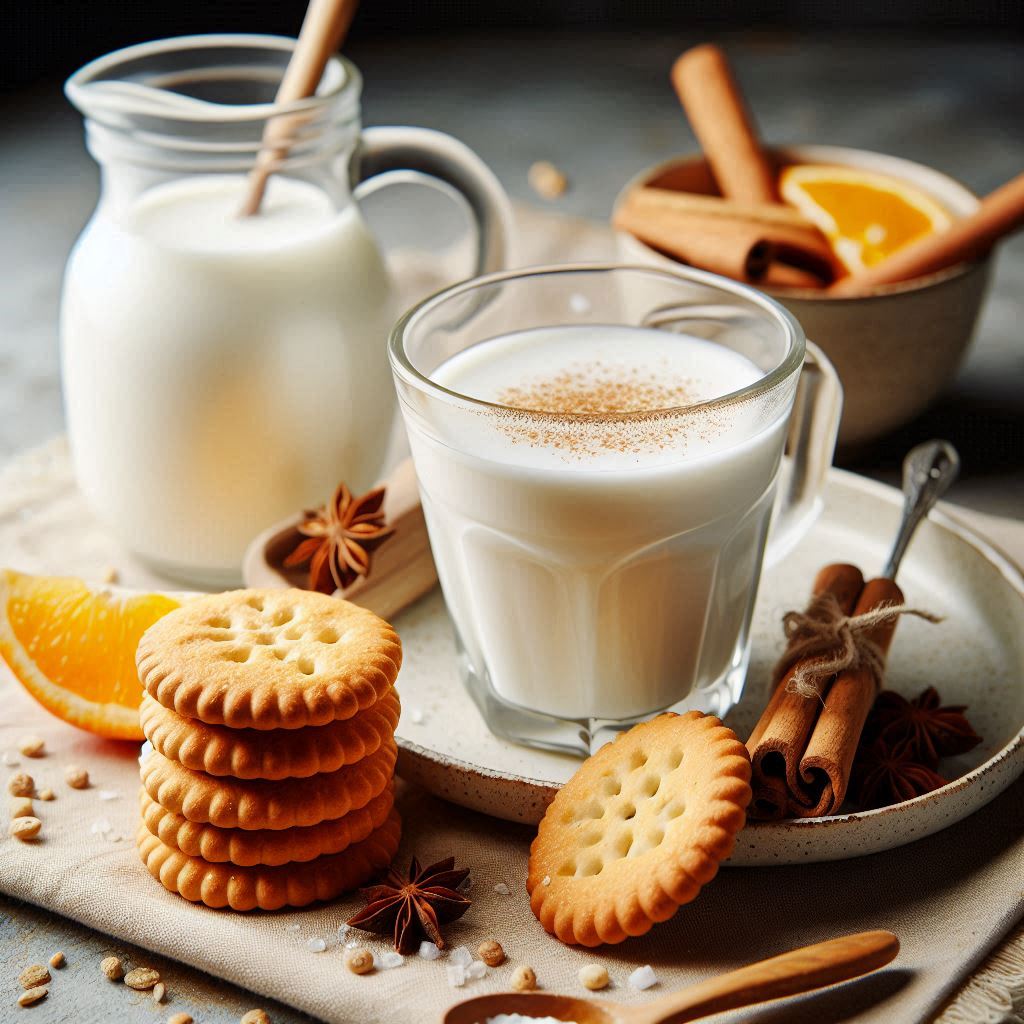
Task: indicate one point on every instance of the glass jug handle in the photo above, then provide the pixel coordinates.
(429, 152)
(810, 445)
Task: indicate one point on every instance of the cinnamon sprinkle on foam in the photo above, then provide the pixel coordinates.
(595, 408)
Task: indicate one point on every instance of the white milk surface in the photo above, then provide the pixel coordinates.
(222, 372)
(599, 567)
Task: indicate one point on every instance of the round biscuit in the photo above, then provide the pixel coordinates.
(270, 888)
(640, 827)
(268, 659)
(269, 754)
(264, 804)
(251, 847)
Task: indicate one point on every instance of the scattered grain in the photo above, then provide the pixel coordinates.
(547, 180)
(25, 828)
(142, 978)
(491, 953)
(20, 784)
(523, 979)
(21, 807)
(255, 1017)
(33, 995)
(76, 777)
(180, 1018)
(593, 977)
(159, 992)
(58, 960)
(31, 746)
(45, 794)
(110, 575)
(359, 960)
(112, 967)
(33, 976)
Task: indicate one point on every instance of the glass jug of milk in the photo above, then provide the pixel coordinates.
(221, 372)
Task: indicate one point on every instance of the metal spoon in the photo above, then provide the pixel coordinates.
(800, 970)
(928, 471)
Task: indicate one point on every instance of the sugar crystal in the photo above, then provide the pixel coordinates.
(643, 978)
(316, 945)
(502, 889)
(429, 951)
(461, 956)
(388, 960)
(456, 975)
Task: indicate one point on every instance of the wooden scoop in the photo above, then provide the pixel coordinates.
(801, 970)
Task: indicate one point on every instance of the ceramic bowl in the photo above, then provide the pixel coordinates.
(897, 349)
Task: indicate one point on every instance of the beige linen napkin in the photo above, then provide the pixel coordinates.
(950, 897)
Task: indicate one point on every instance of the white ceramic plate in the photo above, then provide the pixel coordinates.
(975, 657)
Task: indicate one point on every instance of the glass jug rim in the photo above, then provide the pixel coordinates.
(341, 78)
(792, 361)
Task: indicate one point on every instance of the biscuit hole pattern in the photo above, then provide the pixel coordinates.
(590, 866)
(675, 760)
(328, 636)
(305, 666)
(239, 654)
(255, 602)
(649, 839)
(567, 869)
(591, 838)
(628, 812)
(650, 785)
(672, 810)
(218, 622)
(294, 633)
(283, 616)
(623, 844)
(262, 639)
(279, 653)
(611, 786)
(587, 812)
(637, 760)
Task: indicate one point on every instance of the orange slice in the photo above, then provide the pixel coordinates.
(866, 216)
(73, 648)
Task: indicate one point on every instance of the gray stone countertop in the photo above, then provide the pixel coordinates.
(599, 106)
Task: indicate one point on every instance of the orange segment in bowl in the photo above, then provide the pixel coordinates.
(73, 648)
(865, 215)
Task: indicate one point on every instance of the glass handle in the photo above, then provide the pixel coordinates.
(810, 444)
(439, 156)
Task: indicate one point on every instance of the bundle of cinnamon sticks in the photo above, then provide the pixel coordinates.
(802, 748)
(747, 233)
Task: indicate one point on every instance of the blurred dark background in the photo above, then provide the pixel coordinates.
(48, 38)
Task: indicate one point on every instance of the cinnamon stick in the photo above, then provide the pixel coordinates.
(723, 125)
(737, 249)
(1000, 213)
(779, 739)
(667, 200)
(725, 244)
(825, 766)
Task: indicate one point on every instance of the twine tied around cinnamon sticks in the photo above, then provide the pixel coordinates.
(802, 748)
(824, 641)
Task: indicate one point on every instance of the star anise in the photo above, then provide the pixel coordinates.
(414, 907)
(885, 773)
(340, 538)
(933, 731)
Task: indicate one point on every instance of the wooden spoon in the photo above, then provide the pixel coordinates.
(801, 970)
(322, 32)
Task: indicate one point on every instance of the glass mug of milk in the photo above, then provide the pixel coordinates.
(222, 372)
(599, 454)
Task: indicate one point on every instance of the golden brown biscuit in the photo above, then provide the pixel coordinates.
(249, 847)
(639, 828)
(269, 754)
(266, 888)
(268, 659)
(262, 804)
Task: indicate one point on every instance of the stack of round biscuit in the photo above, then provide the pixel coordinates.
(271, 714)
